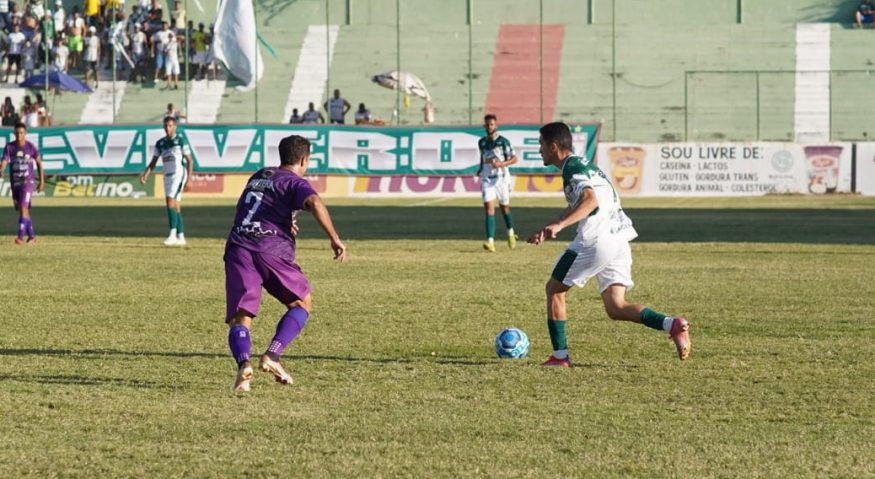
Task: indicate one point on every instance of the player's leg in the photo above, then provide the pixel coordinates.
(287, 329)
(285, 281)
(172, 214)
(614, 280)
(21, 197)
(504, 202)
(574, 267)
(179, 185)
(561, 280)
(172, 191)
(556, 320)
(242, 299)
(489, 195)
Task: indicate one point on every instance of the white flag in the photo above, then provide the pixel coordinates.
(236, 42)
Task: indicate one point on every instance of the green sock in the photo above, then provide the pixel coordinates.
(171, 218)
(490, 226)
(652, 319)
(557, 334)
(508, 220)
(179, 227)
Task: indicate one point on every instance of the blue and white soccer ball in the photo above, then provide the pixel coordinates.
(512, 343)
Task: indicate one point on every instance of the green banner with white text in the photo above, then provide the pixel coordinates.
(354, 150)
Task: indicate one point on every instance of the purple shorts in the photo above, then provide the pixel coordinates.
(247, 271)
(21, 196)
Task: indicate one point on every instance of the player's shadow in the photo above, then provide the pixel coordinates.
(76, 380)
(97, 353)
(822, 226)
(105, 352)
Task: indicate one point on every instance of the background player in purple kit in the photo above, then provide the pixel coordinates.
(261, 252)
(22, 156)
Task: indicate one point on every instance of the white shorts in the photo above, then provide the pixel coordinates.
(171, 66)
(174, 183)
(496, 188)
(609, 260)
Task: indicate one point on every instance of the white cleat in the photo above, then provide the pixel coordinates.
(171, 241)
(244, 375)
(274, 367)
(180, 241)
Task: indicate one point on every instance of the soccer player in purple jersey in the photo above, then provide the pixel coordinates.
(260, 251)
(22, 156)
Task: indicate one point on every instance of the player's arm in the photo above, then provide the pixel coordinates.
(314, 205)
(508, 153)
(3, 164)
(42, 175)
(346, 106)
(321, 118)
(570, 216)
(480, 167)
(148, 171)
(189, 170)
(513, 160)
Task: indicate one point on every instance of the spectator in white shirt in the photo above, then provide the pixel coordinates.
(14, 44)
(92, 54)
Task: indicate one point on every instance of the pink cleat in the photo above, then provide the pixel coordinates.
(680, 335)
(552, 361)
(19, 241)
(274, 367)
(31, 241)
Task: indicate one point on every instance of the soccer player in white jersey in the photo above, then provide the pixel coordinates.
(337, 108)
(496, 155)
(600, 249)
(175, 155)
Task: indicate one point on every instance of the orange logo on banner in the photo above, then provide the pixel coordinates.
(626, 165)
(206, 184)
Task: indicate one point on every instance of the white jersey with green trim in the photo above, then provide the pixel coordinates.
(608, 218)
(172, 152)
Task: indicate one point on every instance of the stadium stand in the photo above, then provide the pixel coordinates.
(698, 82)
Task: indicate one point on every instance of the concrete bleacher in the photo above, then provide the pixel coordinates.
(652, 45)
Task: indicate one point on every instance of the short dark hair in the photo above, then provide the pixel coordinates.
(20, 125)
(489, 116)
(559, 133)
(293, 149)
(169, 118)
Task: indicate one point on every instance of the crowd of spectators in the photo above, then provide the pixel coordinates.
(143, 45)
(31, 113)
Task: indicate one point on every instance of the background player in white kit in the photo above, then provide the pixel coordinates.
(496, 154)
(176, 159)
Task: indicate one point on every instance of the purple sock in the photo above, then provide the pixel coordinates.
(29, 227)
(240, 343)
(22, 226)
(288, 329)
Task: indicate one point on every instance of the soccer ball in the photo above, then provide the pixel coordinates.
(512, 343)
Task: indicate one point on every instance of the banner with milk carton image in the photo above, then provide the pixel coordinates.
(727, 169)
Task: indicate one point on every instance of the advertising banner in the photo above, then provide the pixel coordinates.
(357, 150)
(449, 186)
(727, 169)
(90, 186)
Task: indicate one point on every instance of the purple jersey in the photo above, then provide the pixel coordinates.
(265, 210)
(21, 162)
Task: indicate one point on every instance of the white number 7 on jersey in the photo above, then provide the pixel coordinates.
(252, 195)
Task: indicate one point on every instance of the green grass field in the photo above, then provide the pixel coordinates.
(114, 361)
